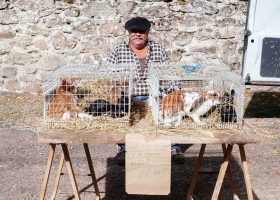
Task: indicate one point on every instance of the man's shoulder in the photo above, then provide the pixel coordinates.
(155, 44)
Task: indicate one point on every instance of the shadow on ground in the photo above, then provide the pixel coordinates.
(264, 105)
(180, 176)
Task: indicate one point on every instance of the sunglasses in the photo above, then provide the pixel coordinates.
(137, 31)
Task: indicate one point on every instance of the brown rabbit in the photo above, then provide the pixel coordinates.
(64, 104)
(118, 92)
(172, 108)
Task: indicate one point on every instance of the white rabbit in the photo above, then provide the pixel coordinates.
(198, 104)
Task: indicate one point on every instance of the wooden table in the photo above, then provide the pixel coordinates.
(226, 138)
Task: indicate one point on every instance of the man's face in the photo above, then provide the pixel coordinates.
(138, 38)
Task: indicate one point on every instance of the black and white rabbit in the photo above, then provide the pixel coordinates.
(228, 113)
(116, 104)
(121, 108)
(103, 107)
(98, 107)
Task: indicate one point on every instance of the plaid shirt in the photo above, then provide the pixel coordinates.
(123, 54)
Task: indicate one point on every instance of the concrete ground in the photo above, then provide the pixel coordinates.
(23, 160)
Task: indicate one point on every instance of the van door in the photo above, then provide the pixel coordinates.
(261, 61)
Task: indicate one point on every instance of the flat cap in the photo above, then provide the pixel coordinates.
(138, 23)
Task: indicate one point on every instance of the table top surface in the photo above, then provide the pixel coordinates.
(197, 136)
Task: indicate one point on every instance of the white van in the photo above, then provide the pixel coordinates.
(261, 62)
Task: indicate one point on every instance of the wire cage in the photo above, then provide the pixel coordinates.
(197, 96)
(88, 97)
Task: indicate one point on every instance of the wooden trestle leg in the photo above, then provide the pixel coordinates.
(70, 171)
(47, 172)
(246, 172)
(196, 171)
(66, 157)
(222, 172)
(91, 168)
(57, 178)
(229, 175)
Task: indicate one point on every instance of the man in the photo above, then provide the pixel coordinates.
(141, 51)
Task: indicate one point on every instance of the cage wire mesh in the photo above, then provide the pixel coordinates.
(198, 96)
(88, 97)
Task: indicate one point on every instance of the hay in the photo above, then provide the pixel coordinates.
(104, 123)
(89, 91)
(139, 112)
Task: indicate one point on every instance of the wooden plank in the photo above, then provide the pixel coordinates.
(201, 136)
(70, 171)
(196, 171)
(57, 178)
(246, 172)
(222, 172)
(92, 172)
(47, 172)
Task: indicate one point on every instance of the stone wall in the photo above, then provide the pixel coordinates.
(37, 36)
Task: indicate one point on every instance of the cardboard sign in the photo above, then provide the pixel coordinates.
(148, 165)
